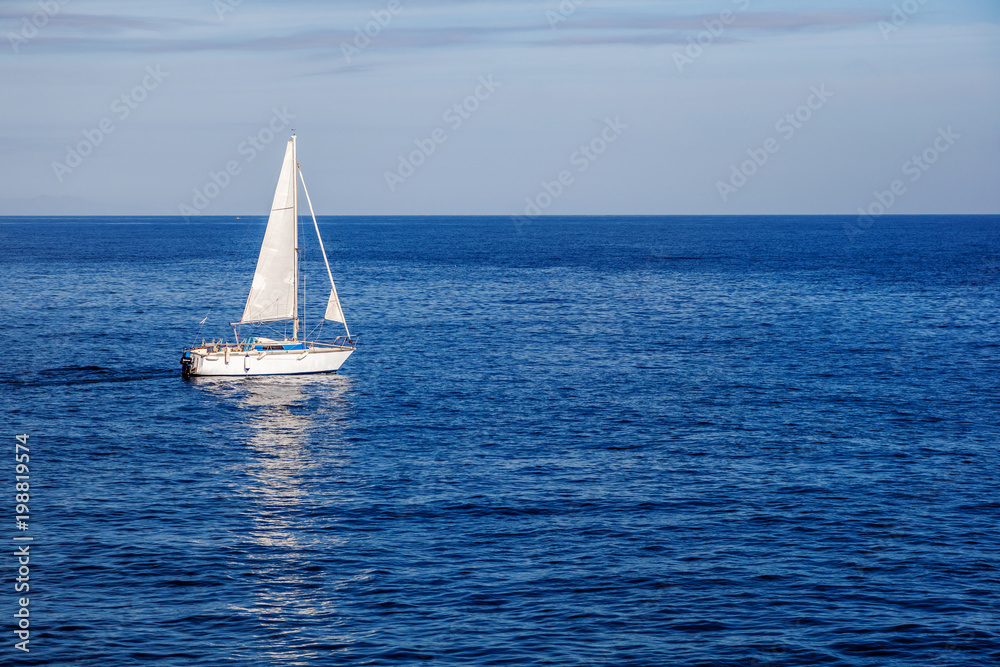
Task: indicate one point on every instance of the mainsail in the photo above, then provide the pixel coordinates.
(273, 292)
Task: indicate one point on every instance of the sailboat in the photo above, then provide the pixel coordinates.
(274, 299)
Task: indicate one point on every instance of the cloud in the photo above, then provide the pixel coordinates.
(738, 21)
(100, 23)
(95, 33)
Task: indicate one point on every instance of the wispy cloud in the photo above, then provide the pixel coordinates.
(90, 33)
(103, 23)
(755, 21)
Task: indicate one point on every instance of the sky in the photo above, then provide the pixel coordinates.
(488, 107)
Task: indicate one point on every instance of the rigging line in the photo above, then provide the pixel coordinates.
(333, 286)
(302, 278)
(318, 329)
(303, 255)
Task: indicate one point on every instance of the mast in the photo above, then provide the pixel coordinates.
(295, 226)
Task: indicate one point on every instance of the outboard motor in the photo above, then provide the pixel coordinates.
(186, 362)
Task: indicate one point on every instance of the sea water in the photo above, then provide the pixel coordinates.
(561, 441)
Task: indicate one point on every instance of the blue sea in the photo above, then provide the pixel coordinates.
(593, 441)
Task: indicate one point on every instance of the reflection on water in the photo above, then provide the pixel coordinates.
(293, 446)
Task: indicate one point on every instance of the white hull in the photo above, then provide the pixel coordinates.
(205, 362)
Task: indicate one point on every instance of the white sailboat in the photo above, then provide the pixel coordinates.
(274, 299)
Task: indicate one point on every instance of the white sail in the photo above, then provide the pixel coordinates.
(334, 313)
(272, 294)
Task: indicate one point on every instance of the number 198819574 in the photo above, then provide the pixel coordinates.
(21, 481)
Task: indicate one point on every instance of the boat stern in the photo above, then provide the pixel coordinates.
(190, 362)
